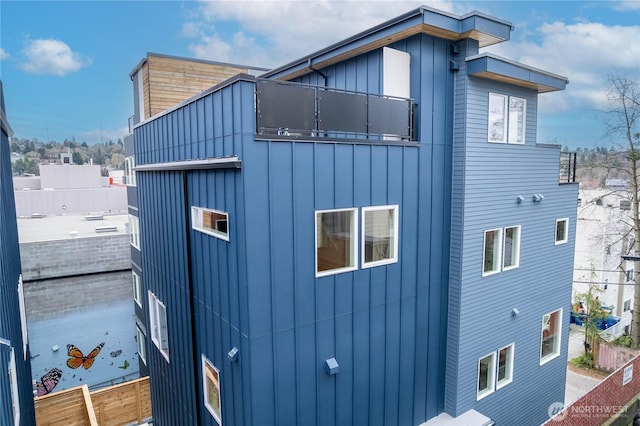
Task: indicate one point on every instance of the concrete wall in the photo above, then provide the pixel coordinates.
(67, 177)
(71, 201)
(59, 296)
(32, 182)
(61, 258)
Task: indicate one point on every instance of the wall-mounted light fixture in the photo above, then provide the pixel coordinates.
(331, 366)
(233, 354)
(515, 312)
(537, 198)
(519, 199)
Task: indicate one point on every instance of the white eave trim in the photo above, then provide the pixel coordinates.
(231, 162)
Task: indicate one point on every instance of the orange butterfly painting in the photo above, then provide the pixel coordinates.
(77, 358)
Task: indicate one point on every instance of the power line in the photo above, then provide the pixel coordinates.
(605, 283)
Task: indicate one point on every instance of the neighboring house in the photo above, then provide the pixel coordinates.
(16, 391)
(368, 235)
(603, 236)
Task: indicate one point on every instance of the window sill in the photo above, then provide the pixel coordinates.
(335, 271)
(379, 263)
(484, 394)
(548, 358)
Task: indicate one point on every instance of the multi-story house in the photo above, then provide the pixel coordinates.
(16, 392)
(368, 235)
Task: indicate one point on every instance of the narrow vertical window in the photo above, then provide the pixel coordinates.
(511, 249)
(379, 235)
(517, 108)
(137, 288)
(505, 366)
(13, 381)
(211, 386)
(142, 344)
(134, 231)
(23, 317)
(336, 236)
(158, 325)
(562, 231)
(497, 118)
(550, 339)
(491, 253)
(486, 369)
(129, 172)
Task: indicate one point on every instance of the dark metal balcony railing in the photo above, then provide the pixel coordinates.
(301, 111)
(568, 162)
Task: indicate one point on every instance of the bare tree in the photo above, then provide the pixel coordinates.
(623, 121)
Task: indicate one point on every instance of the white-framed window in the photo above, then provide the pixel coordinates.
(129, 173)
(486, 371)
(212, 222)
(379, 235)
(336, 236)
(506, 119)
(23, 316)
(137, 288)
(504, 374)
(550, 336)
(134, 231)
(211, 389)
(141, 340)
(158, 325)
(511, 248)
(626, 305)
(562, 230)
(492, 251)
(15, 395)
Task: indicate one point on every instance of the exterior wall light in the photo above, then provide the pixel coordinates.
(331, 366)
(537, 198)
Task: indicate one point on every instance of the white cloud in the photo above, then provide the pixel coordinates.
(102, 135)
(584, 52)
(4, 54)
(52, 57)
(272, 33)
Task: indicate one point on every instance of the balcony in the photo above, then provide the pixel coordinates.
(296, 111)
(567, 168)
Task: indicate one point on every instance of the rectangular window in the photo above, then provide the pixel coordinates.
(511, 249)
(13, 381)
(506, 124)
(210, 222)
(550, 336)
(158, 324)
(134, 231)
(486, 369)
(336, 236)
(129, 173)
(491, 253)
(627, 305)
(497, 118)
(211, 386)
(505, 366)
(23, 316)
(562, 231)
(142, 344)
(379, 235)
(137, 288)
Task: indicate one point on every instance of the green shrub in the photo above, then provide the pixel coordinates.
(583, 361)
(624, 340)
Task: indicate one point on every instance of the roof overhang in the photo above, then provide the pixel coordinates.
(485, 29)
(4, 123)
(493, 67)
(231, 162)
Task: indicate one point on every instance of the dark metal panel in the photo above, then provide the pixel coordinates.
(341, 111)
(389, 116)
(286, 106)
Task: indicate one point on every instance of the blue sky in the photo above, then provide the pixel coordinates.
(65, 65)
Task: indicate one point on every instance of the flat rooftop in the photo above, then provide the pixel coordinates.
(62, 227)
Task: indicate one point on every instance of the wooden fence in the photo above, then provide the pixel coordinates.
(121, 404)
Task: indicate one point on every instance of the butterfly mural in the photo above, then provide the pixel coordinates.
(77, 358)
(48, 382)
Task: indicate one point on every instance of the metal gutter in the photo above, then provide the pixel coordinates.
(231, 162)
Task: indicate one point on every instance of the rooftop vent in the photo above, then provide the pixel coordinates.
(94, 217)
(37, 215)
(106, 228)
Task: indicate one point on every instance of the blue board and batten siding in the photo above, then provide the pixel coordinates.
(10, 269)
(488, 178)
(258, 292)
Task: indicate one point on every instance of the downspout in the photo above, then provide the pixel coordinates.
(324, 76)
(192, 318)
